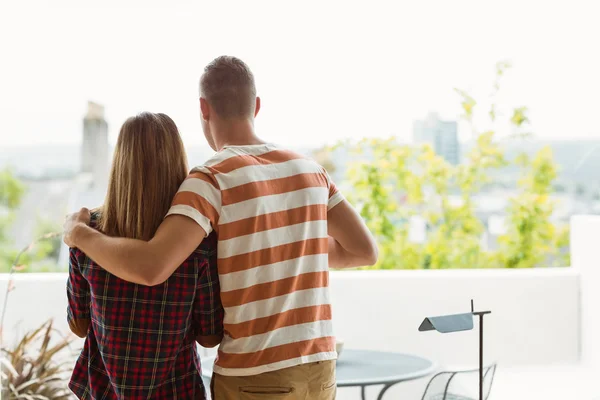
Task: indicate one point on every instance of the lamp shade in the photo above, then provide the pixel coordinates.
(448, 323)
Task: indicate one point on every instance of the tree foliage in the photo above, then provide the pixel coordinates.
(392, 183)
(11, 195)
(11, 192)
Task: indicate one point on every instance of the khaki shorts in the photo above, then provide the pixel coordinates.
(314, 381)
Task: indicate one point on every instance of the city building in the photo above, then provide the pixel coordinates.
(94, 149)
(90, 185)
(442, 135)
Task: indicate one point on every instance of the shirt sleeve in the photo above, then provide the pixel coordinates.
(335, 196)
(208, 310)
(78, 296)
(199, 198)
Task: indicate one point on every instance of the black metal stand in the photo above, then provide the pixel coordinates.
(457, 323)
(480, 314)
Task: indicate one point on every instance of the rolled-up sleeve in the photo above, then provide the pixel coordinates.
(78, 296)
(208, 309)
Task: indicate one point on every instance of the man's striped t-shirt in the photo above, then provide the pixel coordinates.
(269, 208)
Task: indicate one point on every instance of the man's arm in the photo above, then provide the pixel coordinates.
(147, 263)
(350, 243)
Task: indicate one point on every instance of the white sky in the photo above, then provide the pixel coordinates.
(325, 70)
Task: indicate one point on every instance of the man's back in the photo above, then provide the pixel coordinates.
(269, 207)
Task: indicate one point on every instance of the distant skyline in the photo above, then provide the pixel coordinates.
(325, 70)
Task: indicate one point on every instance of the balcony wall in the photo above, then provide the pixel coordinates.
(535, 313)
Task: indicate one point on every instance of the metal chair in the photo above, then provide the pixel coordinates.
(449, 385)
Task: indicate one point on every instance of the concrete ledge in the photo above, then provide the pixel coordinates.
(381, 310)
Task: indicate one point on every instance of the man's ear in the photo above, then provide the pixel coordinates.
(257, 106)
(204, 109)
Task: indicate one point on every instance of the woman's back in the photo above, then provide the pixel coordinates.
(140, 340)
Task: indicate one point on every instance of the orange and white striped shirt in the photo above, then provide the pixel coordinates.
(269, 207)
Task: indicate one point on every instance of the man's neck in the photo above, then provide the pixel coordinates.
(236, 133)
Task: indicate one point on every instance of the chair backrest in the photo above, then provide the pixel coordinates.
(460, 385)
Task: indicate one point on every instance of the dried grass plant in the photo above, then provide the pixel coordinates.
(31, 370)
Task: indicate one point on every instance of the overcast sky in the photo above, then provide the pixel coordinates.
(325, 70)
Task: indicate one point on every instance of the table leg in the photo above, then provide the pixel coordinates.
(363, 393)
(383, 390)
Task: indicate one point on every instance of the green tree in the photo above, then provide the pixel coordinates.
(51, 248)
(11, 195)
(11, 190)
(392, 184)
(532, 239)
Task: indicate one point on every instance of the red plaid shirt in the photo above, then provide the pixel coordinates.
(141, 341)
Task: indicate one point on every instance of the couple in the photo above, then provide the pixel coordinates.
(241, 259)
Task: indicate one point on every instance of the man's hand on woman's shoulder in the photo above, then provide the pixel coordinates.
(72, 222)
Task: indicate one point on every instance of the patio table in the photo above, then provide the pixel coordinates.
(363, 368)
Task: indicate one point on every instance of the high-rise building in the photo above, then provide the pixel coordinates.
(442, 135)
(89, 188)
(94, 152)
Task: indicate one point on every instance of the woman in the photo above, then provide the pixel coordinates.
(140, 340)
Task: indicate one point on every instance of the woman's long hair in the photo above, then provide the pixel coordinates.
(149, 165)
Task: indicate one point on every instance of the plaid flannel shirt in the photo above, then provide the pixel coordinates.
(141, 340)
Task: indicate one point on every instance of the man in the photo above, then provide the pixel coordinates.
(281, 224)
